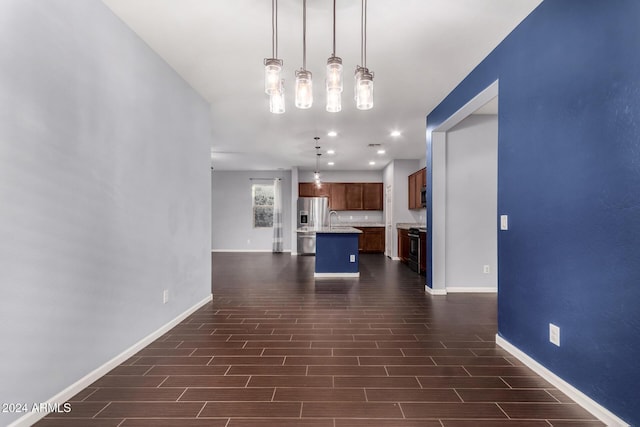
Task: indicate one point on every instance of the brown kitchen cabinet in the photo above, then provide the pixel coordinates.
(403, 244)
(372, 196)
(346, 196)
(371, 240)
(416, 182)
(354, 197)
(338, 196)
(310, 189)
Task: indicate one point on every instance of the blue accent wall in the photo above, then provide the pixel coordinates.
(569, 179)
(333, 250)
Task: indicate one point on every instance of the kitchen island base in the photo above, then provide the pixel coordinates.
(337, 253)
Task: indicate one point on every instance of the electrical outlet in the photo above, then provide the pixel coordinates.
(486, 269)
(352, 258)
(165, 296)
(554, 334)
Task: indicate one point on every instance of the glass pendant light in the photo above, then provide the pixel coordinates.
(364, 77)
(272, 68)
(334, 100)
(304, 89)
(334, 74)
(304, 85)
(273, 65)
(276, 99)
(364, 89)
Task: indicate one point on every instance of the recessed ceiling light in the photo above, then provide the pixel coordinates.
(331, 152)
(331, 163)
(372, 163)
(395, 133)
(381, 151)
(332, 133)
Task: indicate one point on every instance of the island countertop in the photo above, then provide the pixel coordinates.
(339, 230)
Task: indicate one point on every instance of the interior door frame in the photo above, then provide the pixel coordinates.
(439, 186)
(388, 232)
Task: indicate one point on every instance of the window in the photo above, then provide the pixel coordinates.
(262, 205)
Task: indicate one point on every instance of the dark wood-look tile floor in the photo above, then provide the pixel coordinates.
(278, 348)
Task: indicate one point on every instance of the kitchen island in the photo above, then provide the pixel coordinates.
(337, 252)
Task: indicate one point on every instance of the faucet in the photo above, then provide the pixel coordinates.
(330, 213)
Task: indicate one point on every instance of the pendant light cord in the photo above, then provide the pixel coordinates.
(363, 34)
(304, 34)
(273, 29)
(334, 28)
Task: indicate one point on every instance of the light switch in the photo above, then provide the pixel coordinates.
(504, 222)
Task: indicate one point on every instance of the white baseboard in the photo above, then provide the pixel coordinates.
(465, 289)
(435, 291)
(32, 417)
(580, 398)
(247, 250)
(326, 275)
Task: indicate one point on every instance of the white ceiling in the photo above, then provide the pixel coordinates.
(419, 51)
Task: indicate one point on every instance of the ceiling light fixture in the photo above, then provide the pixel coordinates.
(273, 65)
(395, 133)
(381, 151)
(363, 77)
(334, 74)
(330, 163)
(331, 151)
(372, 163)
(304, 85)
(274, 84)
(316, 173)
(332, 133)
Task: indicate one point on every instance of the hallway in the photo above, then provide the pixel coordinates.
(278, 348)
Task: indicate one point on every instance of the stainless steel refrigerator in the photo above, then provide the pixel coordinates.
(313, 214)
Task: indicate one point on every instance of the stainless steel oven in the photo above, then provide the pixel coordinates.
(414, 250)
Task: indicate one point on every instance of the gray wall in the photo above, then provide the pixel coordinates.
(396, 174)
(104, 194)
(231, 211)
(471, 202)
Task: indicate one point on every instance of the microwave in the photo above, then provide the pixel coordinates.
(423, 197)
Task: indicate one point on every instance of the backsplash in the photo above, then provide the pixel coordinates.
(360, 217)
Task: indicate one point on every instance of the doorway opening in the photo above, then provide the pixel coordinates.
(464, 198)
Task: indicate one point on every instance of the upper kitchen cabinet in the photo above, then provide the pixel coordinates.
(354, 197)
(338, 197)
(346, 196)
(310, 189)
(372, 196)
(416, 182)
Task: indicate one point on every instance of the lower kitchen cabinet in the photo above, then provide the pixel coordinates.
(403, 244)
(371, 240)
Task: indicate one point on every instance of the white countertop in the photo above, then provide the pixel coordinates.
(340, 229)
(360, 224)
(408, 225)
(334, 230)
